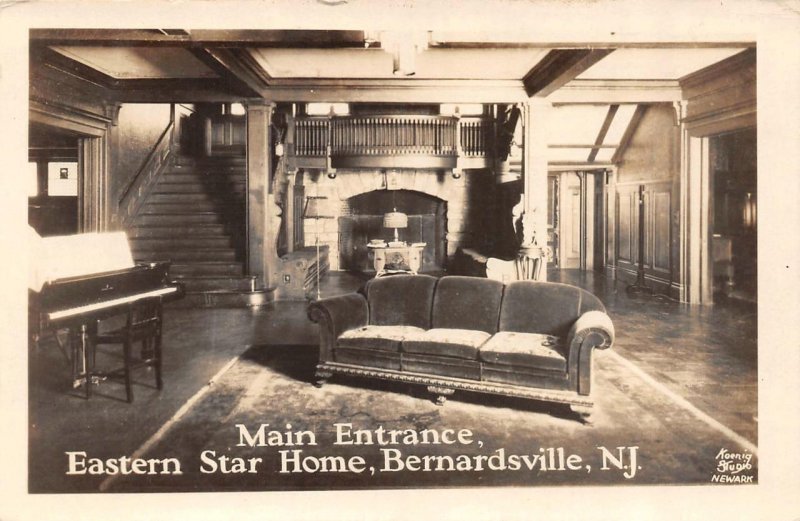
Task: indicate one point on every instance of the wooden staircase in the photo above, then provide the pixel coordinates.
(194, 217)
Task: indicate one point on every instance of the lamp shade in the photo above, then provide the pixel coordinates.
(314, 208)
(395, 220)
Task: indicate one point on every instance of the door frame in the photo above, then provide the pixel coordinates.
(592, 232)
(91, 129)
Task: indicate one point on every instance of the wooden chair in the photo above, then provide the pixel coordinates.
(143, 324)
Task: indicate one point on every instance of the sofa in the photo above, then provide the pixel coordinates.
(523, 339)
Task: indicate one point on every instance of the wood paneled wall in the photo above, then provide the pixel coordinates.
(651, 164)
(657, 199)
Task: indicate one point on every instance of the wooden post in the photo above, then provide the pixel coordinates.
(93, 200)
(534, 198)
(261, 255)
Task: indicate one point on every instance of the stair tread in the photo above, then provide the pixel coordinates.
(191, 217)
(199, 212)
(210, 263)
(211, 277)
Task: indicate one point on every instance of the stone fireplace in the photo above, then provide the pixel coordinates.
(446, 212)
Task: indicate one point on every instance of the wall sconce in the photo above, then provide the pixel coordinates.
(456, 174)
(749, 211)
(331, 175)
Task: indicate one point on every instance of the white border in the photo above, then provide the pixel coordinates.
(775, 25)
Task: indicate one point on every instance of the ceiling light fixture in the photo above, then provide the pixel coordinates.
(404, 47)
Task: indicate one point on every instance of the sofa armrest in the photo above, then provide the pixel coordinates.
(336, 315)
(592, 330)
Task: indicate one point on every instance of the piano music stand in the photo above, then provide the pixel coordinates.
(143, 323)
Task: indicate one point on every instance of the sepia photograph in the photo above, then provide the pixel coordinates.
(334, 254)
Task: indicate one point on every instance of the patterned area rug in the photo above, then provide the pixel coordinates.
(309, 440)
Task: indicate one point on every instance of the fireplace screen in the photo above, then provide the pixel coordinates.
(362, 221)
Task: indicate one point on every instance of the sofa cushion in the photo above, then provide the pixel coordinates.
(457, 343)
(467, 303)
(383, 338)
(400, 300)
(524, 349)
(544, 307)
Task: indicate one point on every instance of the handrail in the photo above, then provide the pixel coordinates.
(146, 176)
(147, 160)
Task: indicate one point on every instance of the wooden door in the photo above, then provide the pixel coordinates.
(570, 226)
(627, 239)
(657, 203)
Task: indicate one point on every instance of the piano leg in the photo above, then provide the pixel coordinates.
(83, 358)
(80, 362)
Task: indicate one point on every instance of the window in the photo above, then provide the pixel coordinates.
(62, 179)
(325, 109)
(464, 109)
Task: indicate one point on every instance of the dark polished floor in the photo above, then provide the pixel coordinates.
(705, 355)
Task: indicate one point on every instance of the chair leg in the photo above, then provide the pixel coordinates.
(147, 349)
(157, 360)
(126, 351)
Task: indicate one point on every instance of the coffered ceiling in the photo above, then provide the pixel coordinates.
(318, 65)
(598, 91)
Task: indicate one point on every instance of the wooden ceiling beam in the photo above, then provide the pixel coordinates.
(619, 92)
(184, 94)
(194, 38)
(559, 67)
(236, 68)
(601, 136)
(50, 58)
(410, 91)
(638, 114)
(510, 44)
(586, 145)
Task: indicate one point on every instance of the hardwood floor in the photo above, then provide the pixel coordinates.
(707, 356)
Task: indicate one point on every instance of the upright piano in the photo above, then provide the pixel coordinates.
(76, 280)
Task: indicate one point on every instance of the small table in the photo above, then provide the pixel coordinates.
(397, 257)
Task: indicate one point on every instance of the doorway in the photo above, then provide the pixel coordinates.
(576, 219)
(733, 237)
(53, 181)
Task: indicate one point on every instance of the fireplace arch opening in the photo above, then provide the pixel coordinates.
(361, 220)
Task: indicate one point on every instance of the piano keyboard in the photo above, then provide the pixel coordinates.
(109, 303)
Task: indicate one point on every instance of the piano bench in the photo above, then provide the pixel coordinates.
(143, 323)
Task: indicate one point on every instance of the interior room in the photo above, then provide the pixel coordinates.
(250, 177)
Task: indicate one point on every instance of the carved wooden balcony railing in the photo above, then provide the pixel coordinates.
(477, 137)
(400, 141)
(311, 137)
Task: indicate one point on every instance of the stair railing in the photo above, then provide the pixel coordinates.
(140, 185)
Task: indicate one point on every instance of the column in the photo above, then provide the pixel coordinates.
(93, 200)
(261, 252)
(534, 198)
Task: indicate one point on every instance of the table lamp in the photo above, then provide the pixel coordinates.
(396, 220)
